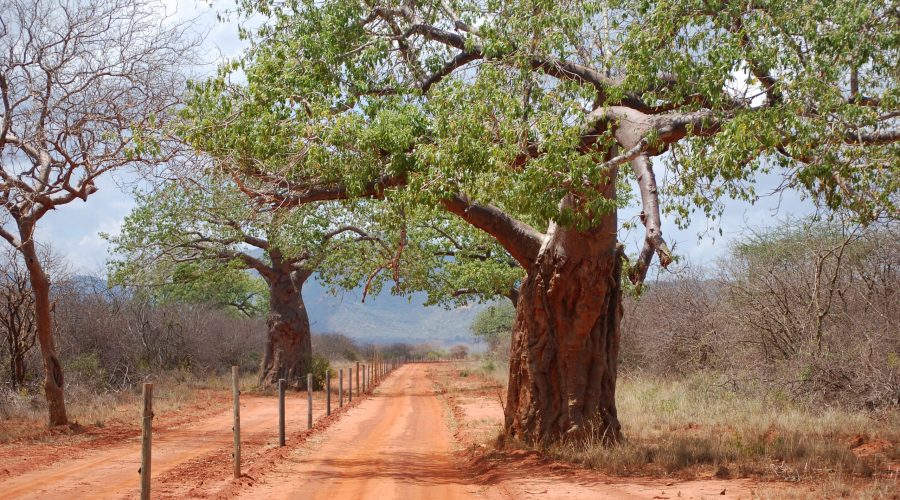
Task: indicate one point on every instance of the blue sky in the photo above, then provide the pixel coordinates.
(74, 230)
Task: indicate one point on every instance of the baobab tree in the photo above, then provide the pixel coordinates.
(208, 224)
(533, 122)
(85, 87)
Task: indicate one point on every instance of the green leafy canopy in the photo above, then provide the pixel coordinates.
(522, 104)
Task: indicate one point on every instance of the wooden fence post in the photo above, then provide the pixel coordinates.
(327, 393)
(281, 383)
(341, 388)
(350, 384)
(146, 440)
(364, 386)
(235, 391)
(357, 379)
(309, 389)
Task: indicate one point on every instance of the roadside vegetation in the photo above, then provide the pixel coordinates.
(110, 340)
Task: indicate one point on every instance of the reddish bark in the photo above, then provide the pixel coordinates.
(54, 382)
(288, 353)
(563, 362)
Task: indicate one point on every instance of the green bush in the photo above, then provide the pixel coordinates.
(319, 367)
(86, 368)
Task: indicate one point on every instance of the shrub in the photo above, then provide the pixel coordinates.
(319, 367)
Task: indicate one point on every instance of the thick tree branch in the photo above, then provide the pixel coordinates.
(650, 217)
(295, 195)
(874, 137)
(521, 240)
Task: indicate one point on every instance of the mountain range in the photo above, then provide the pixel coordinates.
(387, 318)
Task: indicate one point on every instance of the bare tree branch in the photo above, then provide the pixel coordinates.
(650, 216)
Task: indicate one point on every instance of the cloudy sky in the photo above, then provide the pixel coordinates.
(74, 230)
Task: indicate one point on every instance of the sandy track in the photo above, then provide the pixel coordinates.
(112, 471)
(395, 444)
(398, 444)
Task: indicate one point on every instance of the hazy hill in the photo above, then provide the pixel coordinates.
(386, 318)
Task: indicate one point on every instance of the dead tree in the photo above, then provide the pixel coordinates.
(85, 88)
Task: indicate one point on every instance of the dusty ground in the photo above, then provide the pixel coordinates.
(477, 416)
(421, 434)
(410, 440)
(191, 452)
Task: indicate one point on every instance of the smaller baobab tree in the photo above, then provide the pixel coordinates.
(207, 225)
(85, 86)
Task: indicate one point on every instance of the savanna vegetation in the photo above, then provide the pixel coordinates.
(535, 122)
(480, 152)
(778, 361)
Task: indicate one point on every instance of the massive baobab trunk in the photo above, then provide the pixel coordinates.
(563, 360)
(288, 352)
(565, 344)
(54, 383)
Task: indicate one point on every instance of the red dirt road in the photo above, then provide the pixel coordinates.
(402, 442)
(112, 471)
(398, 444)
(395, 445)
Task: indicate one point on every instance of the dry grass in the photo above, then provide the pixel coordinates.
(836, 486)
(23, 414)
(696, 427)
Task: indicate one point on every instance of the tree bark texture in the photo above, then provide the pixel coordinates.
(565, 344)
(288, 353)
(17, 370)
(54, 383)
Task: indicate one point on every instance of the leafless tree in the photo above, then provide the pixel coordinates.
(335, 346)
(684, 333)
(112, 340)
(17, 323)
(804, 308)
(86, 87)
(820, 301)
(16, 315)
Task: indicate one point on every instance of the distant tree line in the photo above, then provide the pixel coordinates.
(111, 339)
(341, 347)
